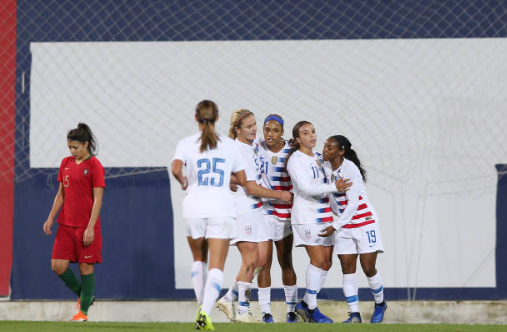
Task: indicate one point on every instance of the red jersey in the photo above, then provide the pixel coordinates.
(78, 181)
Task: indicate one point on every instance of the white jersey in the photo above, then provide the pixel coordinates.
(352, 207)
(209, 175)
(275, 177)
(251, 157)
(311, 189)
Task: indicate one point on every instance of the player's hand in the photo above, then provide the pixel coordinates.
(184, 185)
(286, 196)
(343, 185)
(233, 186)
(327, 231)
(88, 236)
(47, 227)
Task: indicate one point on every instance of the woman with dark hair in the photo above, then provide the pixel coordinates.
(275, 226)
(78, 238)
(209, 159)
(357, 227)
(311, 213)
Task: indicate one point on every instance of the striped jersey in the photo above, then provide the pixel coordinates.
(250, 154)
(311, 189)
(209, 175)
(352, 207)
(274, 176)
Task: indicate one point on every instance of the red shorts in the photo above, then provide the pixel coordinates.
(69, 245)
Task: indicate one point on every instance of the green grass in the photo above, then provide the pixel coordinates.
(23, 326)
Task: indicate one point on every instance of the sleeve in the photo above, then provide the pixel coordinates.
(353, 201)
(238, 163)
(250, 167)
(302, 180)
(59, 178)
(98, 174)
(180, 154)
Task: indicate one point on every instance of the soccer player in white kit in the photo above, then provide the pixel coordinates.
(357, 228)
(208, 211)
(275, 227)
(247, 203)
(311, 213)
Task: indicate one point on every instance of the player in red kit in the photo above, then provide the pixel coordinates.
(79, 200)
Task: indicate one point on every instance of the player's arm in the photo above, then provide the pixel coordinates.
(57, 204)
(300, 176)
(89, 233)
(254, 189)
(177, 170)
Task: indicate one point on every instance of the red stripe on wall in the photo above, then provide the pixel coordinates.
(7, 130)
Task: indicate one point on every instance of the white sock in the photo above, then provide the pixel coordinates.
(377, 287)
(323, 276)
(212, 289)
(232, 293)
(312, 286)
(264, 295)
(291, 297)
(198, 276)
(350, 290)
(243, 296)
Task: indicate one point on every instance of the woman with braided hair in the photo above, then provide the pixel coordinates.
(357, 228)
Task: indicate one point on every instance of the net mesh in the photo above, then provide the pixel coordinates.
(396, 149)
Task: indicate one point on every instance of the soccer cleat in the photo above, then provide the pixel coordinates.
(79, 317)
(267, 318)
(291, 317)
(354, 318)
(247, 317)
(378, 313)
(302, 311)
(227, 308)
(315, 316)
(203, 322)
(198, 313)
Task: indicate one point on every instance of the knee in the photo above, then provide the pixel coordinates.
(370, 271)
(264, 262)
(326, 266)
(58, 268)
(348, 268)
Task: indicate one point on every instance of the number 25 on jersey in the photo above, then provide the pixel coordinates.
(210, 172)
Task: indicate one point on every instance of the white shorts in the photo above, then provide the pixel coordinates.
(360, 240)
(273, 229)
(211, 228)
(247, 226)
(308, 235)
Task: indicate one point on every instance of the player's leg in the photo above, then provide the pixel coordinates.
(249, 260)
(284, 255)
(318, 259)
(218, 249)
(264, 279)
(198, 274)
(328, 254)
(368, 262)
(350, 284)
(64, 252)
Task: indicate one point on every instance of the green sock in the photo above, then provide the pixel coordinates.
(71, 281)
(87, 289)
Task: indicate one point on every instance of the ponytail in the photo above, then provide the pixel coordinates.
(207, 112)
(350, 154)
(83, 134)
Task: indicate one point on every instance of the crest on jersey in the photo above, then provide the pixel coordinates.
(318, 162)
(85, 172)
(274, 160)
